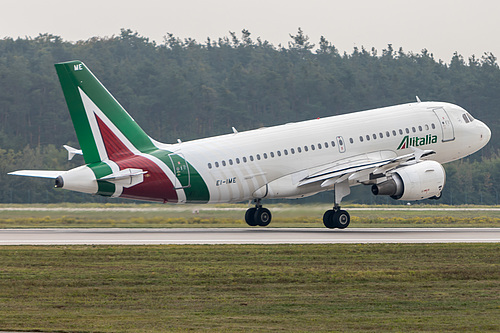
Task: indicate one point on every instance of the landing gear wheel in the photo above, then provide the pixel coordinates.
(341, 219)
(336, 219)
(328, 219)
(250, 217)
(262, 217)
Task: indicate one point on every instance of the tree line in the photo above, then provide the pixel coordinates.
(182, 88)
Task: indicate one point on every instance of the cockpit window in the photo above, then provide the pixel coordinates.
(467, 117)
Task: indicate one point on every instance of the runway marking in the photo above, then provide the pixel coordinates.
(116, 236)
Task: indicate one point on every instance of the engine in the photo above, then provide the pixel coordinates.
(422, 180)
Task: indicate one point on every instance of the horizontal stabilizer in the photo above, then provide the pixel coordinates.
(38, 173)
(72, 152)
(126, 177)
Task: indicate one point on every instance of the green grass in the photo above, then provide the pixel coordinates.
(392, 287)
(169, 216)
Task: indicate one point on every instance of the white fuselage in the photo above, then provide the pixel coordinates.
(237, 166)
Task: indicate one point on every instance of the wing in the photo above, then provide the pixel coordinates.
(364, 168)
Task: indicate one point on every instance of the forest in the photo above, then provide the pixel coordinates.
(186, 89)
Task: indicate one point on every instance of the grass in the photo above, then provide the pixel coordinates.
(167, 216)
(366, 287)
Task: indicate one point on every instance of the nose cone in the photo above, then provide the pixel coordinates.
(485, 134)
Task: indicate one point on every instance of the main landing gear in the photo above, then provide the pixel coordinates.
(258, 215)
(336, 218)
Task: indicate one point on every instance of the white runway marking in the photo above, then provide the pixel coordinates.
(122, 236)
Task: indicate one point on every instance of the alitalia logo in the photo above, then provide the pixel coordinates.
(417, 141)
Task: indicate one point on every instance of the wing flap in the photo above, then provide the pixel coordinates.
(362, 167)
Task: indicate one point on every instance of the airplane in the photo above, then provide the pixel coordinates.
(398, 151)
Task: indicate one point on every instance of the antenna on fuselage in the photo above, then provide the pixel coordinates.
(418, 100)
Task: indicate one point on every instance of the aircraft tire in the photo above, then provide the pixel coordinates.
(328, 219)
(262, 217)
(341, 219)
(250, 217)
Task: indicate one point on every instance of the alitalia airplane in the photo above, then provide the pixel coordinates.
(398, 151)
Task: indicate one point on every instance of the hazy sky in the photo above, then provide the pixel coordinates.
(441, 26)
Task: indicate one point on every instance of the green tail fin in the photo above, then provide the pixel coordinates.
(102, 125)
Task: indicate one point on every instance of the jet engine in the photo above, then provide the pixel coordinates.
(422, 180)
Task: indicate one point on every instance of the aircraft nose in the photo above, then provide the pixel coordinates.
(485, 133)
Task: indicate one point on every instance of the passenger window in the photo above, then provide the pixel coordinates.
(381, 135)
(237, 160)
(351, 140)
(292, 150)
(394, 133)
(216, 164)
(272, 154)
(230, 162)
(223, 163)
(244, 159)
(420, 128)
(210, 165)
(426, 127)
(374, 136)
(407, 130)
(251, 158)
(265, 156)
(361, 138)
(299, 149)
(285, 151)
(400, 131)
(305, 148)
(312, 147)
(387, 134)
(319, 146)
(258, 157)
(279, 153)
(333, 143)
(326, 144)
(367, 137)
(433, 126)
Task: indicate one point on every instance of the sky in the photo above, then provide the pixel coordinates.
(440, 26)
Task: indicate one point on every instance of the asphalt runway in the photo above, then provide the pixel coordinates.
(122, 236)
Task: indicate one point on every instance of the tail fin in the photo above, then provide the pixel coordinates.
(103, 128)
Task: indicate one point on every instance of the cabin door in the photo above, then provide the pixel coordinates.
(446, 124)
(181, 171)
(341, 144)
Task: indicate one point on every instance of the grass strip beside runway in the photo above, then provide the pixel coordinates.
(231, 216)
(378, 287)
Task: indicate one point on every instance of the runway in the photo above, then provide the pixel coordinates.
(122, 236)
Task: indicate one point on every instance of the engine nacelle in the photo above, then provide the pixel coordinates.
(419, 181)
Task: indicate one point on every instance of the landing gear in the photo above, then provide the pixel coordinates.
(258, 215)
(336, 218)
